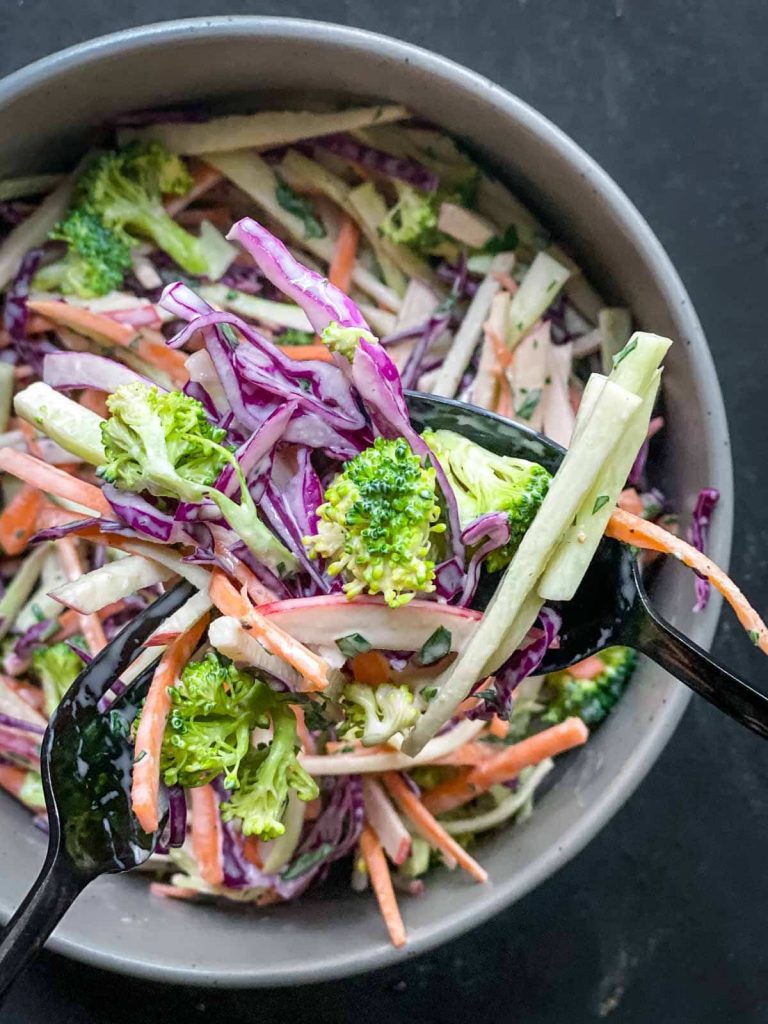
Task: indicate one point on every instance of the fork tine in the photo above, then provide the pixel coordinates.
(101, 673)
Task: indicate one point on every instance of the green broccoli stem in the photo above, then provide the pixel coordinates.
(180, 245)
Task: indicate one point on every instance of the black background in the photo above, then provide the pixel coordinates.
(663, 916)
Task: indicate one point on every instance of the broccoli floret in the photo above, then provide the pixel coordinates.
(57, 667)
(266, 778)
(591, 699)
(125, 189)
(163, 443)
(412, 221)
(214, 709)
(485, 482)
(96, 260)
(375, 713)
(376, 523)
(344, 340)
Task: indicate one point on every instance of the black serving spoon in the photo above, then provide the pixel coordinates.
(86, 761)
(611, 606)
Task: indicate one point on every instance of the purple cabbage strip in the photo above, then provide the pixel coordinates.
(518, 667)
(68, 370)
(490, 531)
(140, 515)
(238, 871)
(11, 742)
(17, 659)
(244, 279)
(637, 473)
(257, 447)
(143, 118)
(400, 168)
(698, 533)
(322, 301)
(177, 816)
(436, 324)
(14, 212)
(404, 334)
(339, 826)
(19, 723)
(15, 314)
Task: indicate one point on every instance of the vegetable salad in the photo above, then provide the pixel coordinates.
(208, 327)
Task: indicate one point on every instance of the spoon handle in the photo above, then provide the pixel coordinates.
(673, 651)
(53, 893)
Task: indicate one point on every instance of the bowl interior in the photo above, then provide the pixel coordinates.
(46, 113)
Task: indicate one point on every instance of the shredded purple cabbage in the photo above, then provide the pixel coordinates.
(519, 666)
(399, 168)
(698, 533)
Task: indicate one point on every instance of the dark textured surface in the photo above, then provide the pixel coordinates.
(663, 916)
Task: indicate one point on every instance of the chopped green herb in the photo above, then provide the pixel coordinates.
(600, 501)
(435, 647)
(490, 695)
(429, 693)
(528, 406)
(292, 336)
(141, 757)
(229, 334)
(507, 241)
(231, 294)
(306, 861)
(118, 725)
(620, 356)
(37, 611)
(754, 636)
(352, 645)
(301, 208)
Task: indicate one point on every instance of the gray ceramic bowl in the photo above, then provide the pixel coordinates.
(44, 110)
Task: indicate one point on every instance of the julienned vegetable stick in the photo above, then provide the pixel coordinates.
(385, 820)
(230, 639)
(633, 530)
(206, 834)
(90, 624)
(181, 620)
(425, 824)
(109, 583)
(145, 785)
(31, 185)
(577, 548)
(68, 423)
(55, 481)
(7, 384)
(528, 375)
(381, 882)
(471, 329)
(505, 765)
(557, 411)
(276, 314)
(614, 326)
(256, 178)
(538, 290)
(34, 230)
(486, 380)
(265, 130)
(503, 811)
(576, 474)
(167, 557)
(577, 288)
(385, 761)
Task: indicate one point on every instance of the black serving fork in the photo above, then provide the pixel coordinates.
(86, 759)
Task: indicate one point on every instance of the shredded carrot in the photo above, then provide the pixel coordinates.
(252, 851)
(12, 779)
(313, 669)
(94, 400)
(468, 754)
(640, 533)
(18, 521)
(305, 736)
(204, 177)
(498, 727)
(344, 254)
(53, 480)
(257, 592)
(503, 356)
(507, 282)
(588, 668)
(145, 786)
(172, 892)
(105, 330)
(631, 501)
(429, 827)
(90, 625)
(206, 834)
(381, 881)
(304, 352)
(37, 325)
(506, 765)
(371, 667)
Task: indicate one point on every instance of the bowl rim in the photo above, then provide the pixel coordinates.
(489, 900)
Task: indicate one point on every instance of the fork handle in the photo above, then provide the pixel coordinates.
(52, 894)
(685, 660)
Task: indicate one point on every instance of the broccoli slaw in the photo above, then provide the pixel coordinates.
(208, 330)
